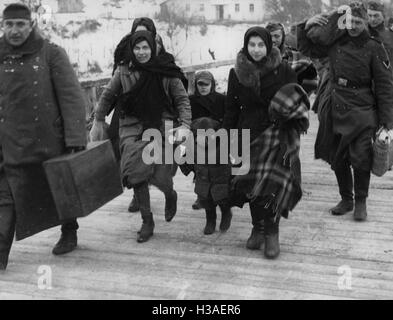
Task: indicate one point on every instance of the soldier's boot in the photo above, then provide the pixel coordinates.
(68, 239)
(147, 229)
(257, 236)
(134, 205)
(362, 185)
(226, 218)
(170, 206)
(272, 241)
(197, 204)
(345, 184)
(211, 218)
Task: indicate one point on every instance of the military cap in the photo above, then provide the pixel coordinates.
(376, 6)
(16, 11)
(358, 9)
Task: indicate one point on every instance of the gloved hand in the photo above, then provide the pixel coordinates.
(74, 149)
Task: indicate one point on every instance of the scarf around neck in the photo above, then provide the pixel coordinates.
(148, 99)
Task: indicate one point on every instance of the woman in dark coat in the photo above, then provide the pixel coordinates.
(149, 92)
(258, 74)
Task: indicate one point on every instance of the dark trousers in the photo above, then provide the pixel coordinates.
(211, 206)
(349, 184)
(260, 213)
(8, 221)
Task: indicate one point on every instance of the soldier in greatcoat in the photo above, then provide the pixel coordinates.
(376, 15)
(42, 116)
(361, 85)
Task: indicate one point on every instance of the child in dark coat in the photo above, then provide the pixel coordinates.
(211, 180)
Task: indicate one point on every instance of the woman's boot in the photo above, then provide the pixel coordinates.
(134, 206)
(170, 206)
(272, 244)
(226, 218)
(143, 197)
(211, 217)
(257, 237)
(147, 229)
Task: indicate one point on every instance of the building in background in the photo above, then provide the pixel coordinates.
(212, 11)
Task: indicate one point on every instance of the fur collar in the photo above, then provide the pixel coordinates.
(250, 74)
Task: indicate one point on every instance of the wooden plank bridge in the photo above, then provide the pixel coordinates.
(323, 257)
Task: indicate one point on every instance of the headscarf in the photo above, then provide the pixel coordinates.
(274, 26)
(121, 52)
(146, 22)
(147, 99)
(265, 36)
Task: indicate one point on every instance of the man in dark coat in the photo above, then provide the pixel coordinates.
(376, 14)
(361, 83)
(42, 116)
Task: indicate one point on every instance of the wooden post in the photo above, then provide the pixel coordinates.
(191, 82)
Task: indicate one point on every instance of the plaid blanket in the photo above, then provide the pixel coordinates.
(274, 154)
(304, 68)
(297, 61)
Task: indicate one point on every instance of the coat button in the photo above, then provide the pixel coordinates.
(35, 107)
(2, 120)
(35, 83)
(36, 119)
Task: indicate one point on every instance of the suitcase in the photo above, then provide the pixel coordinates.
(85, 181)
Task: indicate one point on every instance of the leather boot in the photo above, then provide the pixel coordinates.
(67, 243)
(272, 243)
(360, 213)
(68, 239)
(3, 260)
(362, 185)
(226, 218)
(345, 184)
(170, 206)
(257, 236)
(343, 207)
(147, 229)
(211, 217)
(134, 205)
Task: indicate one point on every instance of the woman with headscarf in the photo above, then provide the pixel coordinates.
(258, 75)
(149, 91)
(122, 57)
